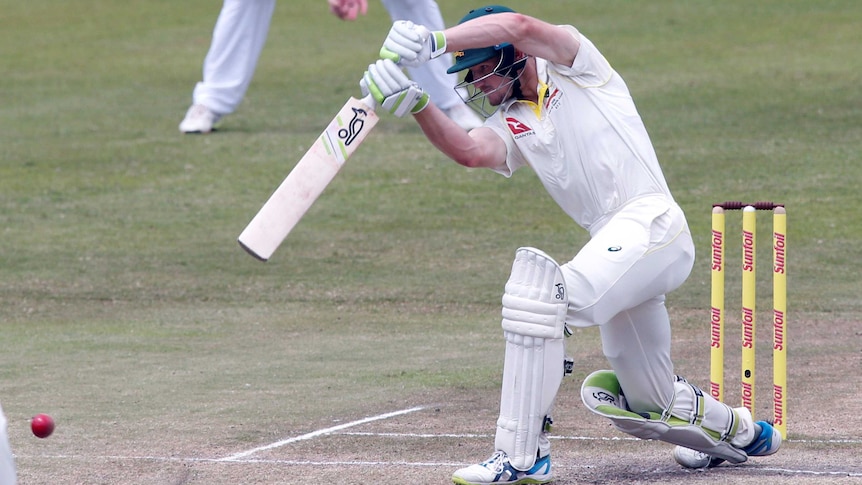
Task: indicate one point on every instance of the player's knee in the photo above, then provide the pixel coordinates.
(535, 300)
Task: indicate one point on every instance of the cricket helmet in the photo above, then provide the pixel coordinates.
(470, 57)
(508, 66)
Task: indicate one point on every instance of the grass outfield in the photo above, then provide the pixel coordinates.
(130, 314)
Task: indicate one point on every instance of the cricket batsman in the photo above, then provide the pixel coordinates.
(553, 103)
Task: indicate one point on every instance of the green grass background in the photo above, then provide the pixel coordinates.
(127, 306)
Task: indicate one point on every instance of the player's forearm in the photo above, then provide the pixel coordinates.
(485, 31)
(442, 132)
(529, 35)
(453, 141)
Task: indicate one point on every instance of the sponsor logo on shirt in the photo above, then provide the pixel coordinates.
(518, 128)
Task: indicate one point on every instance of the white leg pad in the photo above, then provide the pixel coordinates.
(602, 395)
(534, 316)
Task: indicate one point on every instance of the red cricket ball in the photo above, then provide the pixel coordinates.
(42, 425)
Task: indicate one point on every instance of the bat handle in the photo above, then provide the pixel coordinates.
(369, 101)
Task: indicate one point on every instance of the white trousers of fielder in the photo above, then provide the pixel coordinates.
(7, 461)
(240, 34)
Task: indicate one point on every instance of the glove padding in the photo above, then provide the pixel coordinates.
(392, 89)
(412, 45)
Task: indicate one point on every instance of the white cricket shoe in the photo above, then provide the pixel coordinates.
(689, 458)
(464, 116)
(498, 471)
(199, 119)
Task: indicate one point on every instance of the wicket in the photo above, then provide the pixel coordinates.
(779, 295)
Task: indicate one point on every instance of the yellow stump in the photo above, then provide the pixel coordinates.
(779, 321)
(716, 317)
(749, 281)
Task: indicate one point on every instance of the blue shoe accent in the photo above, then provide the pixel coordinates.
(766, 443)
(539, 473)
(542, 466)
(498, 471)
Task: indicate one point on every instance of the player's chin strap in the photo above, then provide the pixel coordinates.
(534, 318)
(602, 395)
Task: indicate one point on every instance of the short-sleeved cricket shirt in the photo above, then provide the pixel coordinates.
(585, 139)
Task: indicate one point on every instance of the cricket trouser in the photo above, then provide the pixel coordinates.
(238, 39)
(7, 461)
(618, 281)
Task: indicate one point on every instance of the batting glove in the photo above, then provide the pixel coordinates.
(392, 89)
(412, 45)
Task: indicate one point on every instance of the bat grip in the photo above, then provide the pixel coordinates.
(369, 101)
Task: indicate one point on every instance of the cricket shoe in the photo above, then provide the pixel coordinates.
(465, 117)
(766, 443)
(199, 119)
(498, 471)
(694, 459)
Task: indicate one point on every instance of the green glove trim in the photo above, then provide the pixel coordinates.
(421, 104)
(373, 89)
(388, 54)
(438, 44)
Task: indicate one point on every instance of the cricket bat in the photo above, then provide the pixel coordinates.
(304, 184)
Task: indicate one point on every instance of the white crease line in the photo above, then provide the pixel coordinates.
(812, 472)
(319, 432)
(358, 463)
(483, 436)
(565, 466)
(849, 441)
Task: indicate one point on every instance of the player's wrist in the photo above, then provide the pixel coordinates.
(421, 104)
(438, 43)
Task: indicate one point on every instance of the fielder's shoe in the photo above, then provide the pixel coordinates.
(199, 119)
(766, 443)
(498, 471)
(464, 116)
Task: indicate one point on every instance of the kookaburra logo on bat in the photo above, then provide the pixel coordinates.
(306, 181)
(354, 127)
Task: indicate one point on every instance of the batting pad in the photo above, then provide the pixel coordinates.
(534, 316)
(601, 393)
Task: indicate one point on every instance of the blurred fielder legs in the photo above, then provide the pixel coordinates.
(237, 42)
(238, 39)
(7, 461)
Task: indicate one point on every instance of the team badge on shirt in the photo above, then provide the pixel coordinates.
(553, 100)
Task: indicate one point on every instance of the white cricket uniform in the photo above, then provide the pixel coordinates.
(238, 39)
(588, 145)
(240, 34)
(7, 460)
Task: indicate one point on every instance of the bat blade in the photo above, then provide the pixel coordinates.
(309, 177)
